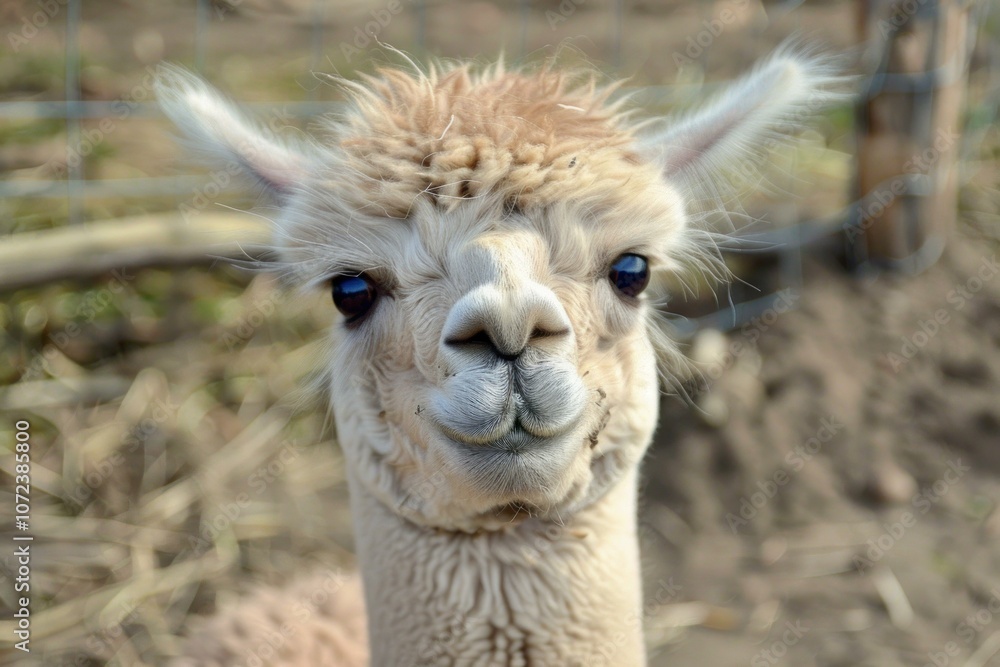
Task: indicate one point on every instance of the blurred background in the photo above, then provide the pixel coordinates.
(833, 466)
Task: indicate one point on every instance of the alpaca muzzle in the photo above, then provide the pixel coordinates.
(510, 406)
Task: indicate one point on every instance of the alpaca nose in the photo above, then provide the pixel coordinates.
(506, 322)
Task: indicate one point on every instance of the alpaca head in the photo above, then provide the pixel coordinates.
(487, 237)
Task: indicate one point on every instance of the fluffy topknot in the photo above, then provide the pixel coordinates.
(459, 133)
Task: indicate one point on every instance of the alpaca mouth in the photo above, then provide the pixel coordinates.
(522, 475)
(516, 441)
(515, 466)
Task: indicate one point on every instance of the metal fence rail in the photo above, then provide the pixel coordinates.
(786, 242)
(74, 109)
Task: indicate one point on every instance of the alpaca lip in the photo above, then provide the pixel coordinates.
(515, 467)
(514, 441)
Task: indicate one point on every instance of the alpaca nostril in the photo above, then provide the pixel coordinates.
(507, 323)
(482, 338)
(479, 337)
(545, 333)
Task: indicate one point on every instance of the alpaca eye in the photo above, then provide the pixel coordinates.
(629, 274)
(354, 295)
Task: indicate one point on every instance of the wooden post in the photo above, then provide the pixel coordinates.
(908, 132)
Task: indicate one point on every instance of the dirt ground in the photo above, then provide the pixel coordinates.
(853, 487)
(829, 496)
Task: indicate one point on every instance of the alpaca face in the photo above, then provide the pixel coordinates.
(503, 369)
(486, 238)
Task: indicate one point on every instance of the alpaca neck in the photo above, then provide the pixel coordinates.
(538, 593)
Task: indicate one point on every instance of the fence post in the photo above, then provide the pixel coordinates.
(908, 132)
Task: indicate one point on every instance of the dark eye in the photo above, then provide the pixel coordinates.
(354, 295)
(629, 274)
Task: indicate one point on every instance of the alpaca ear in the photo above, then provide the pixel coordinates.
(733, 134)
(213, 125)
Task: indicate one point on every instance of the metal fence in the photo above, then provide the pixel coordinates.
(74, 108)
(785, 243)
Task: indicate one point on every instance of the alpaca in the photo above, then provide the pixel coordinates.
(487, 236)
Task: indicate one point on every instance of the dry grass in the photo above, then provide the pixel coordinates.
(171, 476)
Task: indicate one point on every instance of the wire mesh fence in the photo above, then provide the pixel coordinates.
(323, 36)
(673, 52)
